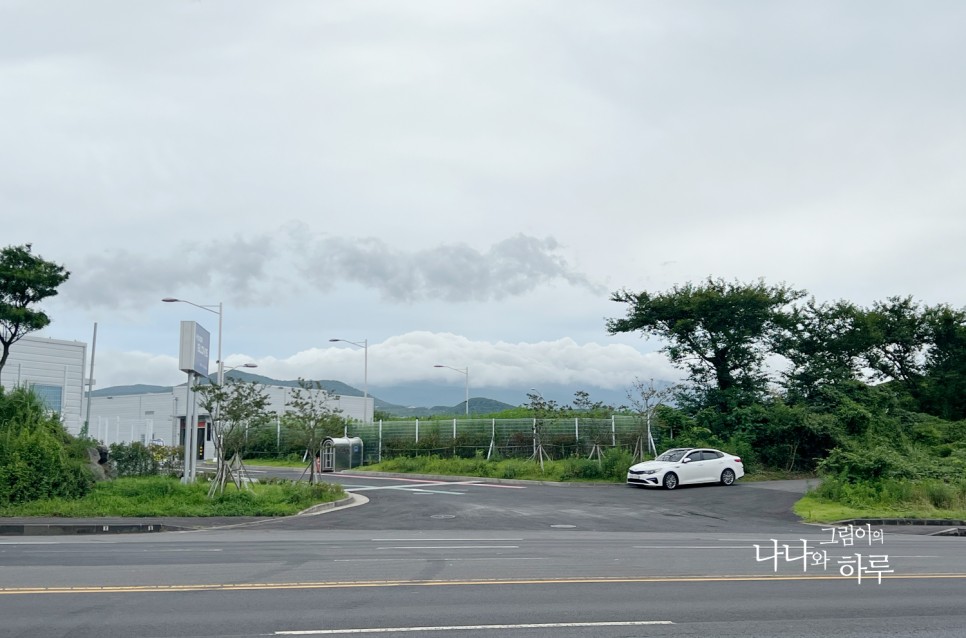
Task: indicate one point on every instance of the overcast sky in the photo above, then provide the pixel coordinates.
(465, 183)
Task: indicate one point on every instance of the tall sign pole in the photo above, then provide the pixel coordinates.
(193, 359)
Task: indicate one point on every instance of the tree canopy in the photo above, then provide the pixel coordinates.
(25, 280)
(718, 331)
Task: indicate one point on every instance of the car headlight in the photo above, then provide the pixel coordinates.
(649, 472)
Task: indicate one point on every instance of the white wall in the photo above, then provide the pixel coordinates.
(141, 417)
(37, 361)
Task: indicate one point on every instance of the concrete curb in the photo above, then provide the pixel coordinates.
(79, 529)
(350, 501)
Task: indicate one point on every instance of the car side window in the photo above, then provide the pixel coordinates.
(711, 456)
(695, 456)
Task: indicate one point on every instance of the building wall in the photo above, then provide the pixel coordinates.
(144, 417)
(55, 369)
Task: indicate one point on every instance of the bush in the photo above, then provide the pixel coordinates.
(39, 459)
(134, 459)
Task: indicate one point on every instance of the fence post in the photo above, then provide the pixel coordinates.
(379, 451)
(454, 428)
(613, 431)
(417, 430)
(577, 429)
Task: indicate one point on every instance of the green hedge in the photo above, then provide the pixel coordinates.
(39, 459)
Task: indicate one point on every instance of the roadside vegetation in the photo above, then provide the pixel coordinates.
(44, 471)
(611, 468)
(167, 496)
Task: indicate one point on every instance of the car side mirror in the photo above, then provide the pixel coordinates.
(686, 460)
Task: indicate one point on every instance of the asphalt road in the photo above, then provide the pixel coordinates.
(458, 558)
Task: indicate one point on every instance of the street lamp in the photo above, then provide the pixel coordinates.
(364, 344)
(241, 365)
(466, 373)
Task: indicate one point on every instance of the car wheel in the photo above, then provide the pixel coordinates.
(728, 477)
(670, 481)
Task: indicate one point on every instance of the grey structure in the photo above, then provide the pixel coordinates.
(160, 416)
(54, 368)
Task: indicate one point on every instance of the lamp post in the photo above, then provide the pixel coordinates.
(364, 344)
(466, 373)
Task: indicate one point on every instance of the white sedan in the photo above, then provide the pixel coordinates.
(687, 465)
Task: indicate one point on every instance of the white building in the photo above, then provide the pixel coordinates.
(160, 416)
(55, 370)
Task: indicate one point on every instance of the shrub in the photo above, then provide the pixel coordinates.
(134, 459)
(39, 459)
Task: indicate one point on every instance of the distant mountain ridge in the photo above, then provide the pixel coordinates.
(477, 405)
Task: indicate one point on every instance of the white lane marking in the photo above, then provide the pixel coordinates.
(549, 625)
(416, 490)
(445, 540)
(431, 560)
(452, 547)
(436, 482)
(692, 547)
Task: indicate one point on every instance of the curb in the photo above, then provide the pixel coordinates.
(77, 529)
(951, 526)
(324, 507)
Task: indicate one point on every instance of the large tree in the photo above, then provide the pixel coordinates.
(718, 331)
(825, 345)
(25, 280)
(944, 385)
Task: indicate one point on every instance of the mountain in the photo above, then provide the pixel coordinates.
(478, 405)
(412, 399)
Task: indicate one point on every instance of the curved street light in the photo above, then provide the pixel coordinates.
(364, 344)
(465, 372)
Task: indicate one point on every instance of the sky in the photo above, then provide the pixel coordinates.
(465, 183)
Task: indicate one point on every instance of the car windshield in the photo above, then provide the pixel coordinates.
(672, 455)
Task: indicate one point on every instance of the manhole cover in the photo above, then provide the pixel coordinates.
(443, 516)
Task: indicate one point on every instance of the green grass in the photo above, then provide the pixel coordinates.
(163, 496)
(612, 469)
(836, 500)
(814, 509)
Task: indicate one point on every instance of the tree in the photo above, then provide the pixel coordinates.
(824, 344)
(645, 400)
(25, 279)
(235, 407)
(899, 335)
(593, 414)
(312, 417)
(719, 332)
(541, 409)
(944, 386)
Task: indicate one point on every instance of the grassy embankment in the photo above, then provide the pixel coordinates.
(166, 496)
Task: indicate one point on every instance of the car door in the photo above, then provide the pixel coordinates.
(714, 464)
(692, 467)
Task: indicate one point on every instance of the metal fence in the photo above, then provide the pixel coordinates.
(559, 438)
(466, 437)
